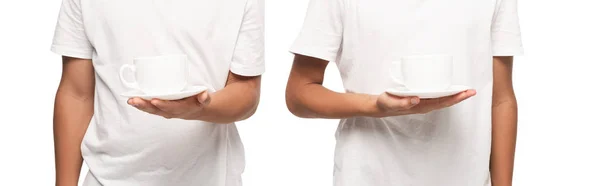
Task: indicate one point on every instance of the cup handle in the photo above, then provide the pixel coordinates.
(395, 79)
(134, 84)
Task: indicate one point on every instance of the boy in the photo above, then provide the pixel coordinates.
(386, 140)
(192, 141)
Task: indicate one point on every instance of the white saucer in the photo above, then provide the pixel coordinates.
(187, 92)
(404, 92)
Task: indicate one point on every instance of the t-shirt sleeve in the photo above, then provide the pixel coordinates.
(506, 32)
(322, 32)
(69, 35)
(249, 52)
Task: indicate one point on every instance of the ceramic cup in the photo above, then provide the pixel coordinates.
(158, 74)
(423, 73)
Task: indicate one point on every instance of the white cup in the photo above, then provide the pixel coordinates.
(158, 74)
(423, 73)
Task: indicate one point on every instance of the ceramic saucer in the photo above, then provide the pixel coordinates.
(187, 92)
(404, 92)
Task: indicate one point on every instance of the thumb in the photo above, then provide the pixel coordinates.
(204, 98)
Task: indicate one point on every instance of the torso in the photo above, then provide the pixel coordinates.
(448, 147)
(124, 146)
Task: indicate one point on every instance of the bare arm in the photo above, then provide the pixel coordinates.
(306, 97)
(237, 101)
(73, 109)
(504, 123)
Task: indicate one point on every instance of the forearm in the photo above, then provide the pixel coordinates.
(236, 102)
(72, 115)
(315, 101)
(504, 135)
(306, 97)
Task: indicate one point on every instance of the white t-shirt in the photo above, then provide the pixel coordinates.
(449, 147)
(124, 146)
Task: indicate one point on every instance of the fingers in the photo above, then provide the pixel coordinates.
(203, 98)
(177, 107)
(439, 103)
(394, 103)
(452, 100)
(147, 106)
(171, 108)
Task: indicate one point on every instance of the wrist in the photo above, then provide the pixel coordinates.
(369, 108)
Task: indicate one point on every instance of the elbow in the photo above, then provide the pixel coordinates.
(294, 106)
(504, 99)
(245, 113)
(75, 93)
(249, 112)
(234, 117)
(505, 102)
(291, 106)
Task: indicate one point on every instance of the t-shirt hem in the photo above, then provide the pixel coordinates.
(311, 53)
(248, 70)
(508, 52)
(71, 52)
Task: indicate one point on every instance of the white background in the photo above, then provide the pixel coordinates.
(556, 84)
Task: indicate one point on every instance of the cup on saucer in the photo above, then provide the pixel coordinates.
(423, 73)
(164, 76)
(425, 76)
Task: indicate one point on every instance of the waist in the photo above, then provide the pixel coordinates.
(146, 148)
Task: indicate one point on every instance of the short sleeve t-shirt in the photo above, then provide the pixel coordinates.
(124, 146)
(449, 147)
